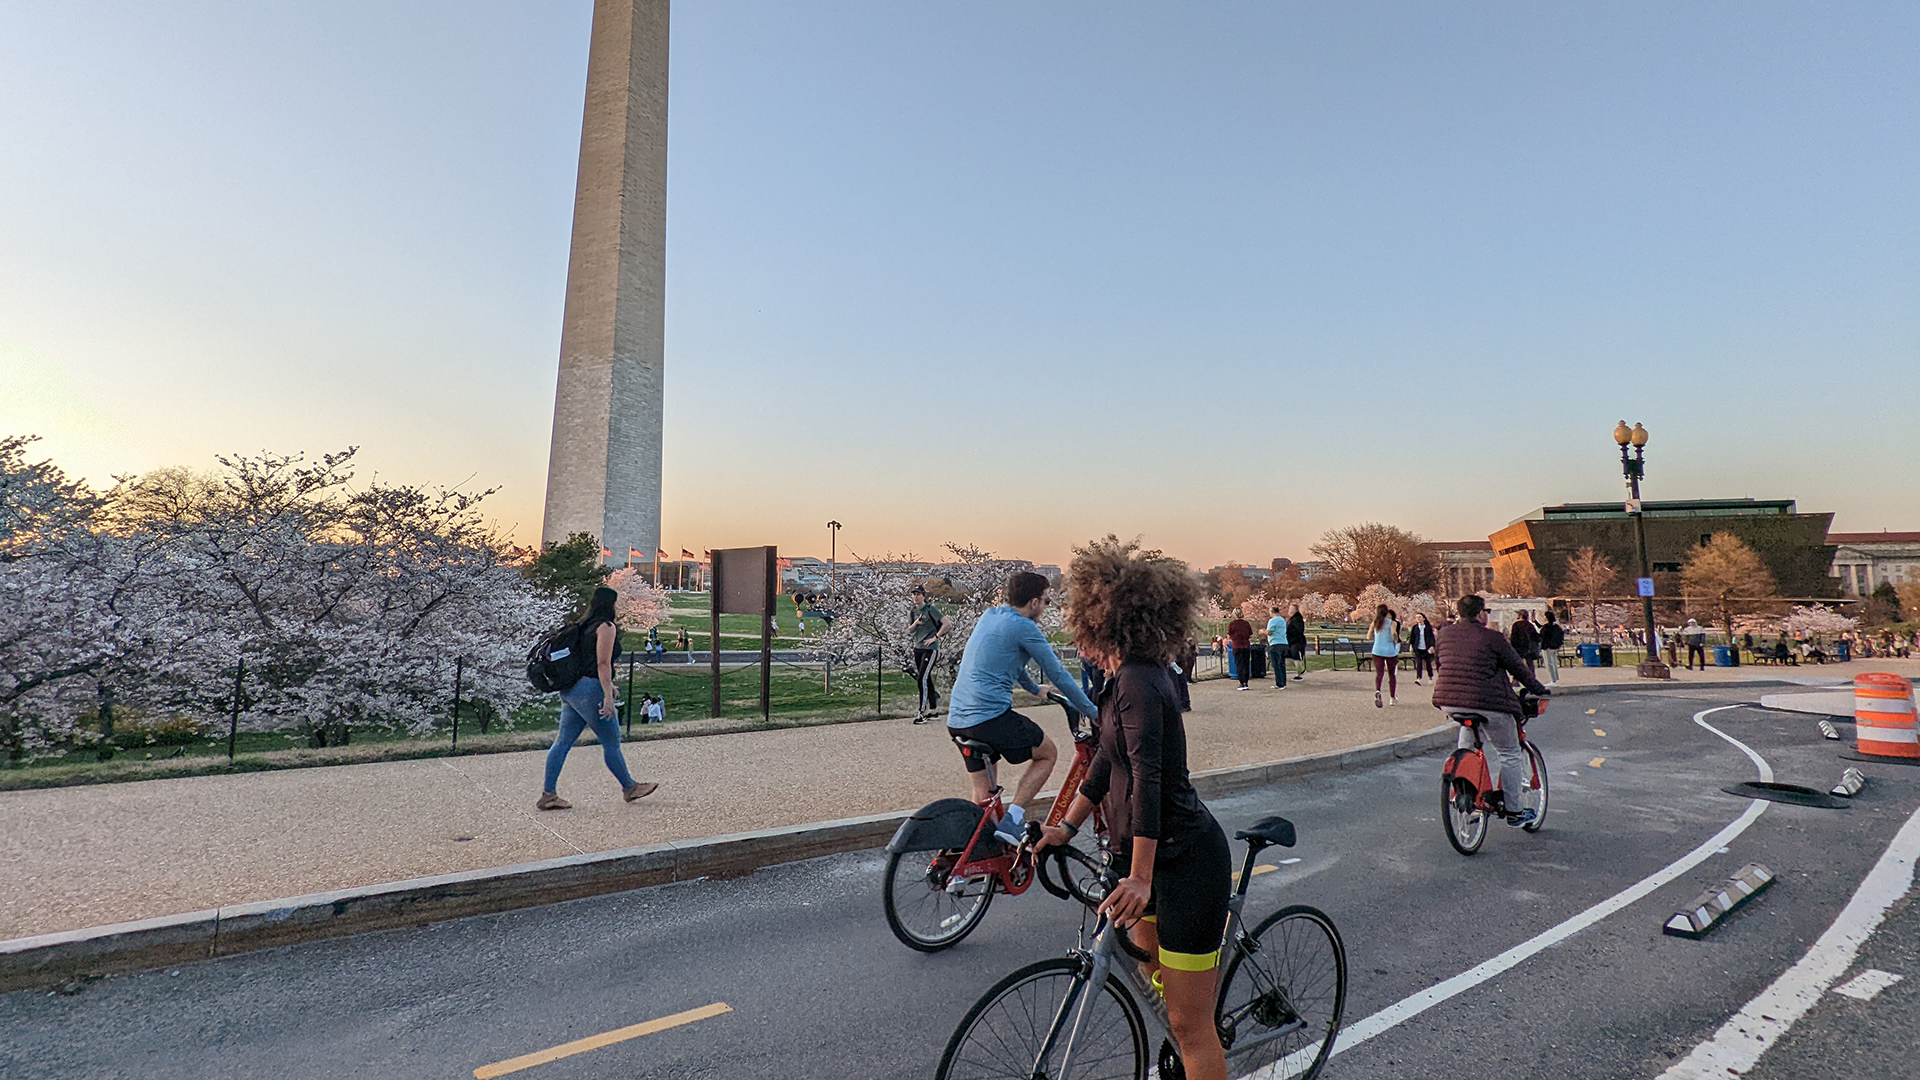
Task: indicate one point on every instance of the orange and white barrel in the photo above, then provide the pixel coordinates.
(1883, 716)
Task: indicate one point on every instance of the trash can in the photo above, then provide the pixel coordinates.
(1606, 656)
(1723, 656)
(1589, 655)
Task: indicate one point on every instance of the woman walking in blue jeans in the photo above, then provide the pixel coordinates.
(591, 703)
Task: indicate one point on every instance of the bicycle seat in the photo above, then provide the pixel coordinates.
(971, 747)
(1467, 718)
(1266, 832)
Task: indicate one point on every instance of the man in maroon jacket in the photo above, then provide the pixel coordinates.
(1474, 664)
(1240, 639)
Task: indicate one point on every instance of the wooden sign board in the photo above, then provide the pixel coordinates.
(745, 581)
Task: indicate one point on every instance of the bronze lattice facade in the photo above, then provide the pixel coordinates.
(1792, 544)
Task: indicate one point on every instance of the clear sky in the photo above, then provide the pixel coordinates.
(1223, 275)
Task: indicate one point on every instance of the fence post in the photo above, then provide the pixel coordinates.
(233, 728)
(877, 676)
(459, 670)
(628, 704)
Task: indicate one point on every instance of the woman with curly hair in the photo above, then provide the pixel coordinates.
(1131, 613)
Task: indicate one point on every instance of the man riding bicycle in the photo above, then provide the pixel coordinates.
(980, 705)
(1474, 664)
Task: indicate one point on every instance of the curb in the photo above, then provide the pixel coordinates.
(54, 959)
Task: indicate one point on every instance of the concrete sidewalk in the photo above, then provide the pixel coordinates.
(86, 856)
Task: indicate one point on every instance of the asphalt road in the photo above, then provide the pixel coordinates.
(817, 987)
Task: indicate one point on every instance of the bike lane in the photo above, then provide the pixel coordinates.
(814, 985)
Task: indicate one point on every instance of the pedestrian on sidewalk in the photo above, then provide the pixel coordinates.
(1240, 634)
(1420, 637)
(1386, 654)
(1277, 648)
(928, 625)
(591, 703)
(1696, 636)
(1297, 640)
(1552, 637)
(1525, 639)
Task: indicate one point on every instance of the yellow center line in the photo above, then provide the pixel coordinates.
(595, 1042)
(1263, 869)
(1596, 763)
(1600, 733)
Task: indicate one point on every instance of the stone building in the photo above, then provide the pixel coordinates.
(1865, 561)
(1466, 566)
(1792, 544)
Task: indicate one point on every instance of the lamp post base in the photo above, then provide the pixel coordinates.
(1654, 669)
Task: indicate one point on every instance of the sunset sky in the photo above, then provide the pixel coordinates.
(1225, 276)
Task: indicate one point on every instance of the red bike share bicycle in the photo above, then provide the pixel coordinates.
(945, 863)
(1469, 798)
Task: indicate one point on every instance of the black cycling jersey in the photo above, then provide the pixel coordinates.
(1139, 773)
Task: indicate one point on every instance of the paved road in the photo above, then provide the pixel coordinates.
(818, 988)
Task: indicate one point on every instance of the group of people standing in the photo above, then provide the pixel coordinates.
(1283, 639)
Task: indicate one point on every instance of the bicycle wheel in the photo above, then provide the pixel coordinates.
(1535, 795)
(1001, 1037)
(1283, 994)
(923, 912)
(1466, 826)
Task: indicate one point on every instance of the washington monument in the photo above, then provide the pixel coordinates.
(603, 471)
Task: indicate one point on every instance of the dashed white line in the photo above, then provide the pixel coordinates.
(1868, 984)
(1737, 1046)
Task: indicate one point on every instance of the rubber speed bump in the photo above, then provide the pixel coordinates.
(1851, 781)
(1710, 907)
(1828, 731)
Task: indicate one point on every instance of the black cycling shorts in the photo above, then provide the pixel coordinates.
(1189, 906)
(1011, 735)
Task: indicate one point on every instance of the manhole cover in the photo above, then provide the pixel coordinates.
(1792, 794)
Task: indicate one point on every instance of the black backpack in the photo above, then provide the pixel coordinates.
(564, 657)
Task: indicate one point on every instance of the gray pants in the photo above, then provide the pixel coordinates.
(1552, 656)
(1501, 735)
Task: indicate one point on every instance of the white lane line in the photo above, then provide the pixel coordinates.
(1868, 984)
(1737, 1046)
(1408, 1008)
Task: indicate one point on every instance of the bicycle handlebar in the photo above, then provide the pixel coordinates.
(1074, 716)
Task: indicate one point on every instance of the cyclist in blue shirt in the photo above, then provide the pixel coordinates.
(980, 705)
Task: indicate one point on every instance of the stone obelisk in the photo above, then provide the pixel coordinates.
(603, 471)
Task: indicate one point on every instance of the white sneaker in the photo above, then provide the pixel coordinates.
(1393, 701)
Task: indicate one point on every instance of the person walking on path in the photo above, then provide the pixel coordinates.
(1277, 648)
(590, 703)
(1696, 636)
(1525, 639)
(1474, 664)
(1386, 654)
(1240, 634)
(1552, 637)
(928, 625)
(1420, 638)
(1297, 640)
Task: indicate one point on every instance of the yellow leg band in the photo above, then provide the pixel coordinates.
(1150, 918)
(1186, 961)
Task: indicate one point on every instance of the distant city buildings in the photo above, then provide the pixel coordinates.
(1792, 544)
(1864, 561)
(1466, 566)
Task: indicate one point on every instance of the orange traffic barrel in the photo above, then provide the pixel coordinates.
(1883, 716)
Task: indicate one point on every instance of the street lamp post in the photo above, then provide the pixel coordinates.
(833, 548)
(1633, 468)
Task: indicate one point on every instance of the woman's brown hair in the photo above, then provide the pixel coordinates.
(1129, 603)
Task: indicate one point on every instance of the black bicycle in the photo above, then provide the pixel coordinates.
(1283, 990)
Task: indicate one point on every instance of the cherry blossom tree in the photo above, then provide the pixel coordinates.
(1335, 608)
(641, 606)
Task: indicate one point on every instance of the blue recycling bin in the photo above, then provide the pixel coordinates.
(1590, 655)
(1723, 656)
